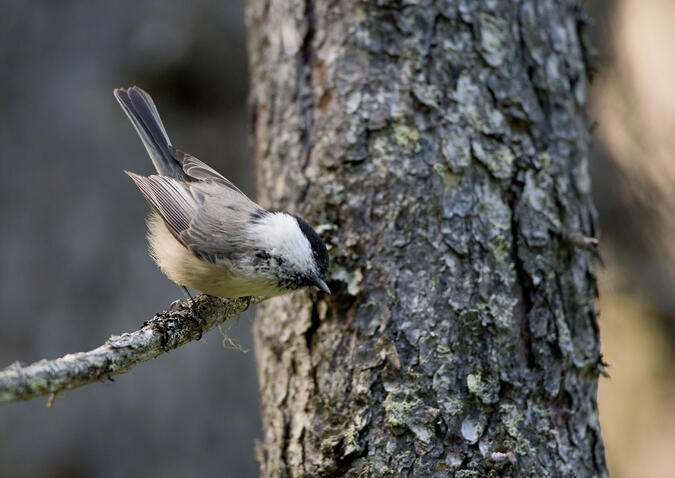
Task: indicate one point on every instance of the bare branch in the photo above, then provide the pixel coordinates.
(166, 331)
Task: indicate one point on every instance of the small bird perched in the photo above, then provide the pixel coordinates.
(206, 234)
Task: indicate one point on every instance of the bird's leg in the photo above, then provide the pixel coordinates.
(195, 313)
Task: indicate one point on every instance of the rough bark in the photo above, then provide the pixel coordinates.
(165, 332)
(442, 148)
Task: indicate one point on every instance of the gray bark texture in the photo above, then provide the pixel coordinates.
(442, 149)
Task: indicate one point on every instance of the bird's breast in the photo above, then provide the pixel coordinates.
(184, 268)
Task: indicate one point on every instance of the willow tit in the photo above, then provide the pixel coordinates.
(206, 234)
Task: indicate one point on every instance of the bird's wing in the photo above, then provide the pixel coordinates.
(200, 171)
(172, 199)
(208, 218)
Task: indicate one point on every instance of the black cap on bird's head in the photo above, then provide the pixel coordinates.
(319, 253)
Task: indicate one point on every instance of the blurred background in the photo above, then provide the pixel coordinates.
(74, 267)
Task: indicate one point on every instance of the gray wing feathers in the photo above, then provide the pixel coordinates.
(218, 231)
(172, 199)
(206, 218)
(142, 112)
(200, 171)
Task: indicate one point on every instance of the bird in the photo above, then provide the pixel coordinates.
(206, 234)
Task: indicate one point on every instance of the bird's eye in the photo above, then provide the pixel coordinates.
(263, 255)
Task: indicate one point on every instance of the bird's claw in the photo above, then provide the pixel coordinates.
(175, 305)
(198, 318)
(195, 313)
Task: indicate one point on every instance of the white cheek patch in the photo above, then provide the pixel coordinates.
(280, 234)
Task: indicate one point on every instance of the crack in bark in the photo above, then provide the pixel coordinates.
(523, 283)
(285, 441)
(305, 88)
(315, 322)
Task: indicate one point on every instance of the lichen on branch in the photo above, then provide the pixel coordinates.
(120, 353)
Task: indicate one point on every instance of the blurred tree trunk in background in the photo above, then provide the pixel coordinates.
(442, 148)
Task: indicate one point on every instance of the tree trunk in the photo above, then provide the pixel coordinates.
(442, 149)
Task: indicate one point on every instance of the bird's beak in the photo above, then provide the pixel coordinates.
(321, 284)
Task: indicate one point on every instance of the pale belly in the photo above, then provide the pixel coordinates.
(186, 269)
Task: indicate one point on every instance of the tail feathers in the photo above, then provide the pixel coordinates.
(141, 110)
